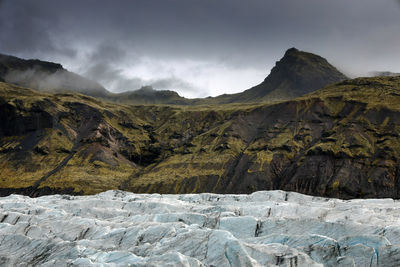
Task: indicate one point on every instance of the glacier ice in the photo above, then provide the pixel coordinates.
(266, 228)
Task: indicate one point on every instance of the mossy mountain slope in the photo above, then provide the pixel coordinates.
(341, 141)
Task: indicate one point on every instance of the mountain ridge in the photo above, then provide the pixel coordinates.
(383, 73)
(297, 73)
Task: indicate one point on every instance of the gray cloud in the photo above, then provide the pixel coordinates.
(114, 80)
(99, 65)
(124, 44)
(105, 64)
(174, 83)
(25, 28)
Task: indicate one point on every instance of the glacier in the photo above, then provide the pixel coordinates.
(266, 228)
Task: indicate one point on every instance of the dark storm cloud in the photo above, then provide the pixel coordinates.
(163, 40)
(25, 28)
(100, 64)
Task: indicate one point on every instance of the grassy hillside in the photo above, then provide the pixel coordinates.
(340, 141)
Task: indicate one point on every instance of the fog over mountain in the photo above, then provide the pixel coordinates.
(199, 48)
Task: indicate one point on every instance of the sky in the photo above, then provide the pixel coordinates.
(199, 47)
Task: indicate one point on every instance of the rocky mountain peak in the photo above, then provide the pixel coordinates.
(290, 51)
(300, 63)
(299, 73)
(146, 89)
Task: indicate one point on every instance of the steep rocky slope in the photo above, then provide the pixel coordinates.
(341, 141)
(296, 74)
(274, 228)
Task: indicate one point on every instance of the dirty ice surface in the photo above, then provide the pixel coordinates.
(268, 228)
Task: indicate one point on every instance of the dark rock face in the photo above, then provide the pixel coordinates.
(37, 192)
(14, 122)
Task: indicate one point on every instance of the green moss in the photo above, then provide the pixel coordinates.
(335, 185)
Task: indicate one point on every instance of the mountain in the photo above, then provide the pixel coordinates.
(148, 95)
(340, 141)
(383, 73)
(296, 74)
(46, 76)
(52, 77)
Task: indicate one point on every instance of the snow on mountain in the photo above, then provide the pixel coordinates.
(268, 228)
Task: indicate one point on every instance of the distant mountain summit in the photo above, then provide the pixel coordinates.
(148, 95)
(383, 73)
(46, 76)
(296, 74)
